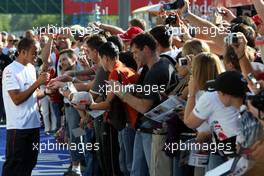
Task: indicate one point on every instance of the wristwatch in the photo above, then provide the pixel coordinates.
(64, 88)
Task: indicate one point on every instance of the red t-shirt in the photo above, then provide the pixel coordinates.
(56, 97)
(260, 76)
(129, 76)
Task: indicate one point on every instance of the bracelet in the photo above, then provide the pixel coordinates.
(190, 96)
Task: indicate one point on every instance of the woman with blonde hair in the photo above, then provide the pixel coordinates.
(194, 47)
(190, 49)
(205, 66)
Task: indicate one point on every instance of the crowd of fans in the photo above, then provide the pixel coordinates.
(219, 78)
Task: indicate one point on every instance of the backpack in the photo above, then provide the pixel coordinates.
(172, 61)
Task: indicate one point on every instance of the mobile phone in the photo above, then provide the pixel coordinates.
(167, 6)
(254, 81)
(183, 61)
(174, 5)
(171, 20)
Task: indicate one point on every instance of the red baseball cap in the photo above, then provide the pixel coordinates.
(130, 33)
(257, 19)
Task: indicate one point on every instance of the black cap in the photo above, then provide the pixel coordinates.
(229, 82)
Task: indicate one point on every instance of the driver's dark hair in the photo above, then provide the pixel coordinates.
(25, 44)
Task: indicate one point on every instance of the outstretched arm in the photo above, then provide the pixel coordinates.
(215, 34)
(46, 52)
(112, 29)
(259, 5)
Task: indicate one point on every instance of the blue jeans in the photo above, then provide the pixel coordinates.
(181, 169)
(73, 121)
(92, 166)
(142, 154)
(126, 139)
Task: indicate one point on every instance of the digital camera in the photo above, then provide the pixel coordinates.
(171, 20)
(183, 61)
(231, 39)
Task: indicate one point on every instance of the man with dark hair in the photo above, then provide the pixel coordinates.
(95, 87)
(164, 43)
(161, 75)
(20, 94)
(117, 41)
(109, 59)
(143, 40)
(95, 42)
(63, 42)
(91, 45)
(68, 62)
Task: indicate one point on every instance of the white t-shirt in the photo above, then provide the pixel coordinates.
(222, 120)
(204, 126)
(19, 77)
